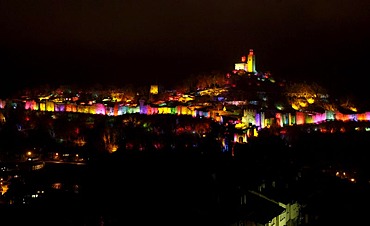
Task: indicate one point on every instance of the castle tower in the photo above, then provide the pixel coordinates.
(251, 63)
(248, 63)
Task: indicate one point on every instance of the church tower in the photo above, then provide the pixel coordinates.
(248, 63)
(251, 63)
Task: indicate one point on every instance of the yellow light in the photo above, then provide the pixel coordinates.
(240, 126)
(295, 107)
(154, 89)
(303, 104)
(310, 100)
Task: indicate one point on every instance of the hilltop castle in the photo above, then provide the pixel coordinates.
(248, 63)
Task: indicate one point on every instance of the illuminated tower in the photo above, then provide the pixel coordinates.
(251, 64)
(247, 64)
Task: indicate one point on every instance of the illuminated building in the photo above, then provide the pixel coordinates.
(248, 63)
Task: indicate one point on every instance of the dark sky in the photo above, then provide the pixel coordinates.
(148, 41)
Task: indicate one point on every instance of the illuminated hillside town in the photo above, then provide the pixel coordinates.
(235, 148)
(298, 104)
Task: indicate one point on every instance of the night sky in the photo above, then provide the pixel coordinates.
(120, 42)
